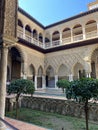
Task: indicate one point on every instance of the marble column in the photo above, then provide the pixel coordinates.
(88, 69)
(43, 82)
(32, 35)
(56, 79)
(72, 35)
(43, 41)
(84, 33)
(38, 39)
(88, 75)
(35, 82)
(97, 28)
(4, 54)
(60, 38)
(50, 39)
(70, 77)
(24, 32)
(24, 70)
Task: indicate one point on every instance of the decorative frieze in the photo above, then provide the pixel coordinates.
(8, 18)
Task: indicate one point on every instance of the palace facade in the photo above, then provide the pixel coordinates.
(63, 50)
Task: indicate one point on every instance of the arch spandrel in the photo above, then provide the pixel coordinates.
(58, 67)
(91, 51)
(49, 66)
(21, 51)
(40, 71)
(77, 69)
(34, 68)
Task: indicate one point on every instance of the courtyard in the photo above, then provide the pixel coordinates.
(52, 121)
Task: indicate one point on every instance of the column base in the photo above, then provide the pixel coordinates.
(2, 126)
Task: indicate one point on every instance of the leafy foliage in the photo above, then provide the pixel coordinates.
(62, 83)
(21, 86)
(85, 88)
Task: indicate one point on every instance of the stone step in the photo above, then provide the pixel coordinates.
(50, 92)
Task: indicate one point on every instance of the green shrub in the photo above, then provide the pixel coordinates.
(63, 83)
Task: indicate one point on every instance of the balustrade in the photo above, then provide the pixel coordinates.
(20, 34)
(78, 37)
(65, 41)
(47, 44)
(40, 44)
(56, 43)
(28, 38)
(91, 34)
(35, 41)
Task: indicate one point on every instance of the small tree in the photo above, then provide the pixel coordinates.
(20, 86)
(83, 90)
(63, 83)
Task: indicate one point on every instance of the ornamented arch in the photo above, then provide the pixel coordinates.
(31, 72)
(57, 69)
(50, 69)
(94, 63)
(90, 21)
(50, 66)
(35, 70)
(91, 52)
(55, 35)
(78, 70)
(20, 23)
(63, 72)
(16, 63)
(39, 77)
(23, 55)
(91, 28)
(50, 80)
(40, 70)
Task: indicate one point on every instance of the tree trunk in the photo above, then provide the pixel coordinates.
(86, 113)
(63, 90)
(17, 98)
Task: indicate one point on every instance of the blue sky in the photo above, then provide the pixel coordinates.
(51, 11)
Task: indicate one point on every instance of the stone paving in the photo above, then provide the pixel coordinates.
(20, 125)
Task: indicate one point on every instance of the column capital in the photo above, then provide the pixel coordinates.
(4, 50)
(6, 42)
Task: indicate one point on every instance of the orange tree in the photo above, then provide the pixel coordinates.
(83, 90)
(20, 86)
(63, 83)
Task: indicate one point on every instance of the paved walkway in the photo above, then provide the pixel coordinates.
(22, 125)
